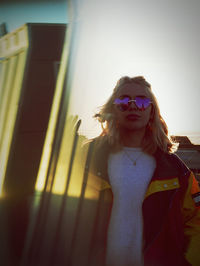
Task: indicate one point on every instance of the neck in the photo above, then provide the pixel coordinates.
(132, 138)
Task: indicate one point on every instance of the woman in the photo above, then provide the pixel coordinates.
(148, 210)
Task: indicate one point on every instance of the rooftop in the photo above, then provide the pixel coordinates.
(185, 143)
(188, 152)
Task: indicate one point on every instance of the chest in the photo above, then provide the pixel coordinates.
(129, 181)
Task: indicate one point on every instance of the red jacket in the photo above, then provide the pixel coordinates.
(171, 211)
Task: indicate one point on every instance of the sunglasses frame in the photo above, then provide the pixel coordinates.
(129, 103)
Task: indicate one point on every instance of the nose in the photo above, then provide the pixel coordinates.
(132, 105)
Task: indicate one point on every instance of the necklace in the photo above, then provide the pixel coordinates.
(131, 159)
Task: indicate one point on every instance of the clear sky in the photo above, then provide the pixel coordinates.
(155, 38)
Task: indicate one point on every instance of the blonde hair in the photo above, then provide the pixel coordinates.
(156, 134)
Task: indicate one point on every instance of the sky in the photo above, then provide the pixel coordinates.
(18, 12)
(157, 39)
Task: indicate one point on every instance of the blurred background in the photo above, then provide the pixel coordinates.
(59, 62)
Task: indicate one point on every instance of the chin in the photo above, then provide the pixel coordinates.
(134, 128)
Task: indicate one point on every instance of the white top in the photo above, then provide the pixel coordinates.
(129, 183)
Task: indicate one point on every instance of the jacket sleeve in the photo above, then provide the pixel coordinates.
(191, 211)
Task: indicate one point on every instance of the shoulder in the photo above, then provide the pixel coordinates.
(177, 161)
(97, 145)
(97, 150)
(171, 162)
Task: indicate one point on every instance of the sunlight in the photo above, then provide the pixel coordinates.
(130, 40)
(13, 47)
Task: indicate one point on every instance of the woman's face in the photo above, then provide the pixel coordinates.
(132, 119)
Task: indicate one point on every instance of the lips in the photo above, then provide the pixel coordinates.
(132, 117)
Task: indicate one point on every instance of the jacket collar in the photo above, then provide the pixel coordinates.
(168, 165)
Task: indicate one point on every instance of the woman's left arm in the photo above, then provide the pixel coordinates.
(191, 212)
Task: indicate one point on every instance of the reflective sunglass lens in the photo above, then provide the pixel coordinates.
(122, 104)
(142, 103)
(122, 101)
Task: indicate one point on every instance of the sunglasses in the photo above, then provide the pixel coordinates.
(141, 103)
